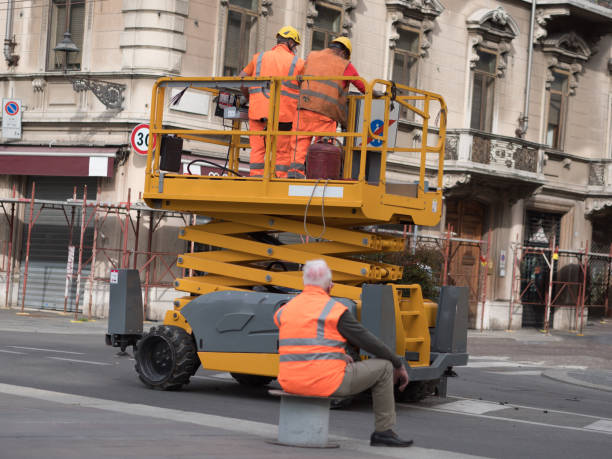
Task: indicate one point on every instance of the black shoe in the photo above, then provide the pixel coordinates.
(388, 438)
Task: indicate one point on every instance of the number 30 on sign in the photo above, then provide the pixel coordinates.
(140, 139)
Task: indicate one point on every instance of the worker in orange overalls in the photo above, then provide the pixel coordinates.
(279, 61)
(322, 104)
(314, 330)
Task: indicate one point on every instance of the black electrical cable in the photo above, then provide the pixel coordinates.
(223, 168)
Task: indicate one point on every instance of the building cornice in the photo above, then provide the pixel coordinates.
(62, 75)
(586, 5)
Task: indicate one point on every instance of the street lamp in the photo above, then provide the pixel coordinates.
(110, 94)
(66, 46)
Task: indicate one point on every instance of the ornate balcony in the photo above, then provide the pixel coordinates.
(477, 160)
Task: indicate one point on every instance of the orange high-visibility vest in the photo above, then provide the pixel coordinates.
(327, 97)
(278, 61)
(312, 350)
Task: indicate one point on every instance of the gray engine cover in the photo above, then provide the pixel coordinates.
(232, 321)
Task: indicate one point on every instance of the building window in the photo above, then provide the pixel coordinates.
(406, 56)
(405, 61)
(327, 25)
(483, 90)
(557, 103)
(240, 35)
(59, 25)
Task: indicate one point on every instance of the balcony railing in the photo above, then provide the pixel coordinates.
(498, 153)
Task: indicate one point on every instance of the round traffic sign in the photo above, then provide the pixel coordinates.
(377, 127)
(139, 139)
(11, 108)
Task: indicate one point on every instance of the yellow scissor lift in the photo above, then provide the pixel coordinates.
(329, 216)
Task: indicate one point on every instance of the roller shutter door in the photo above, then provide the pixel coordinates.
(46, 282)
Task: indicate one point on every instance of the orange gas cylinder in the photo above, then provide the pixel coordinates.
(324, 160)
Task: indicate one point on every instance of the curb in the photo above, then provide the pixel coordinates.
(562, 376)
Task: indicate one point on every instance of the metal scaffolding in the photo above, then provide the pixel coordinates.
(93, 212)
(551, 288)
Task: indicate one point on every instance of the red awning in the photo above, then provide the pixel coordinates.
(57, 161)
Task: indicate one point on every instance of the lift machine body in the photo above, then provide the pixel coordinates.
(260, 230)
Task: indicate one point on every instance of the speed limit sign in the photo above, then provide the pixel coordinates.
(140, 139)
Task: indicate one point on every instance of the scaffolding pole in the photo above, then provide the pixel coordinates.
(11, 223)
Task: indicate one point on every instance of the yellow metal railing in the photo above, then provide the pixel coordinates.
(233, 138)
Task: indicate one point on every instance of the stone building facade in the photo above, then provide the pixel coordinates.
(524, 165)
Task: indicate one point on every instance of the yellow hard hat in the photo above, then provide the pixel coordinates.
(344, 41)
(290, 32)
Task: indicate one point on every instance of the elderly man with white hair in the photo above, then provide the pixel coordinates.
(314, 330)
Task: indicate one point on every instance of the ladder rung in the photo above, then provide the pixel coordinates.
(414, 340)
(410, 313)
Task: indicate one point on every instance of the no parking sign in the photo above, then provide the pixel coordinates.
(11, 118)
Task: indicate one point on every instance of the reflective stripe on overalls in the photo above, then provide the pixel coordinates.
(285, 84)
(320, 340)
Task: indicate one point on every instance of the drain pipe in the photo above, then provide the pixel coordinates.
(9, 41)
(524, 118)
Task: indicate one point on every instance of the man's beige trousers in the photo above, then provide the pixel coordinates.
(378, 375)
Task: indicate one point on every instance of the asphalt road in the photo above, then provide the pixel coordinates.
(69, 395)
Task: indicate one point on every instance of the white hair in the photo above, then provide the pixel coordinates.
(316, 272)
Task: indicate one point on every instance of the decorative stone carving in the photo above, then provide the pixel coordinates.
(526, 159)
(569, 45)
(596, 204)
(567, 51)
(492, 24)
(573, 70)
(265, 7)
(453, 180)
(494, 30)
(39, 84)
(481, 150)
(597, 173)
(417, 14)
(110, 94)
(432, 8)
(450, 148)
(543, 15)
(346, 5)
(502, 152)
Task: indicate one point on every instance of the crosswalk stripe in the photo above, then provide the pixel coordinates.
(471, 406)
(601, 425)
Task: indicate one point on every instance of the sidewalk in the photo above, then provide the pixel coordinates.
(580, 360)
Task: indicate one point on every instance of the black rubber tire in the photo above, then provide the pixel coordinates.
(251, 380)
(415, 391)
(165, 358)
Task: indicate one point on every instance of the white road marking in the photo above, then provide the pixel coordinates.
(223, 376)
(493, 364)
(489, 357)
(11, 352)
(46, 350)
(515, 420)
(601, 425)
(471, 406)
(518, 372)
(216, 377)
(509, 405)
(255, 428)
(80, 361)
